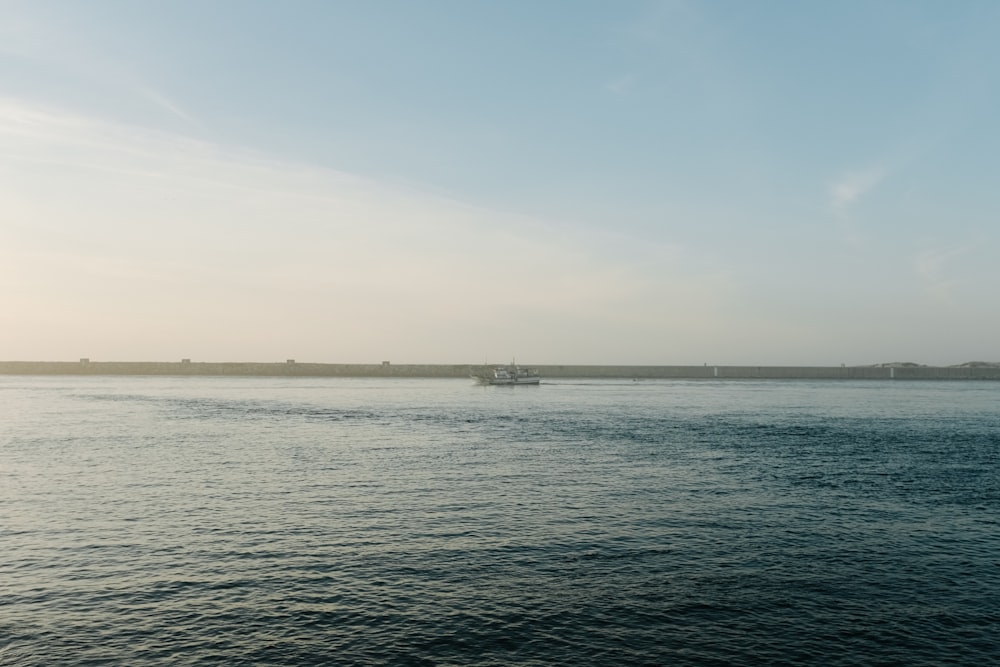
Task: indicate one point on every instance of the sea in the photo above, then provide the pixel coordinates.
(353, 521)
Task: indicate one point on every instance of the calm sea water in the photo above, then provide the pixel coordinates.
(200, 521)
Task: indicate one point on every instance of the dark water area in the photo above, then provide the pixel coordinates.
(297, 521)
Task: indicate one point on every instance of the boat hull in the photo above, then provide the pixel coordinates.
(509, 381)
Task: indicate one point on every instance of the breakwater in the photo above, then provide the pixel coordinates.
(297, 369)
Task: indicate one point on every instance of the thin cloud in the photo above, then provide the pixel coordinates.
(32, 39)
(853, 185)
(212, 234)
(167, 104)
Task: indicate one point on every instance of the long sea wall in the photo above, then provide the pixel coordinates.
(775, 372)
(296, 369)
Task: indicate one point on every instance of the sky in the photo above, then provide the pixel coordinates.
(453, 181)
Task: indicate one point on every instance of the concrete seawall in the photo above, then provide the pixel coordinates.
(290, 369)
(774, 372)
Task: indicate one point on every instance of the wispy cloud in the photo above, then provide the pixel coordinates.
(852, 185)
(167, 104)
(50, 43)
(102, 220)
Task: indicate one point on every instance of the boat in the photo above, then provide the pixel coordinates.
(508, 375)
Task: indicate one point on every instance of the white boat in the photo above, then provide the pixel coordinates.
(508, 375)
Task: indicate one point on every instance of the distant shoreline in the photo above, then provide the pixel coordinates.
(385, 369)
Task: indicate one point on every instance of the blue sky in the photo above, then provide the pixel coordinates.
(449, 181)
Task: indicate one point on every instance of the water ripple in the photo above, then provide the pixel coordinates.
(307, 522)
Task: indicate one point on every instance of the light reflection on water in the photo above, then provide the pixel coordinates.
(363, 521)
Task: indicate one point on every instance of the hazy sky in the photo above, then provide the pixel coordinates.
(450, 181)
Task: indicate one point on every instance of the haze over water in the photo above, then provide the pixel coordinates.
(430, 522)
